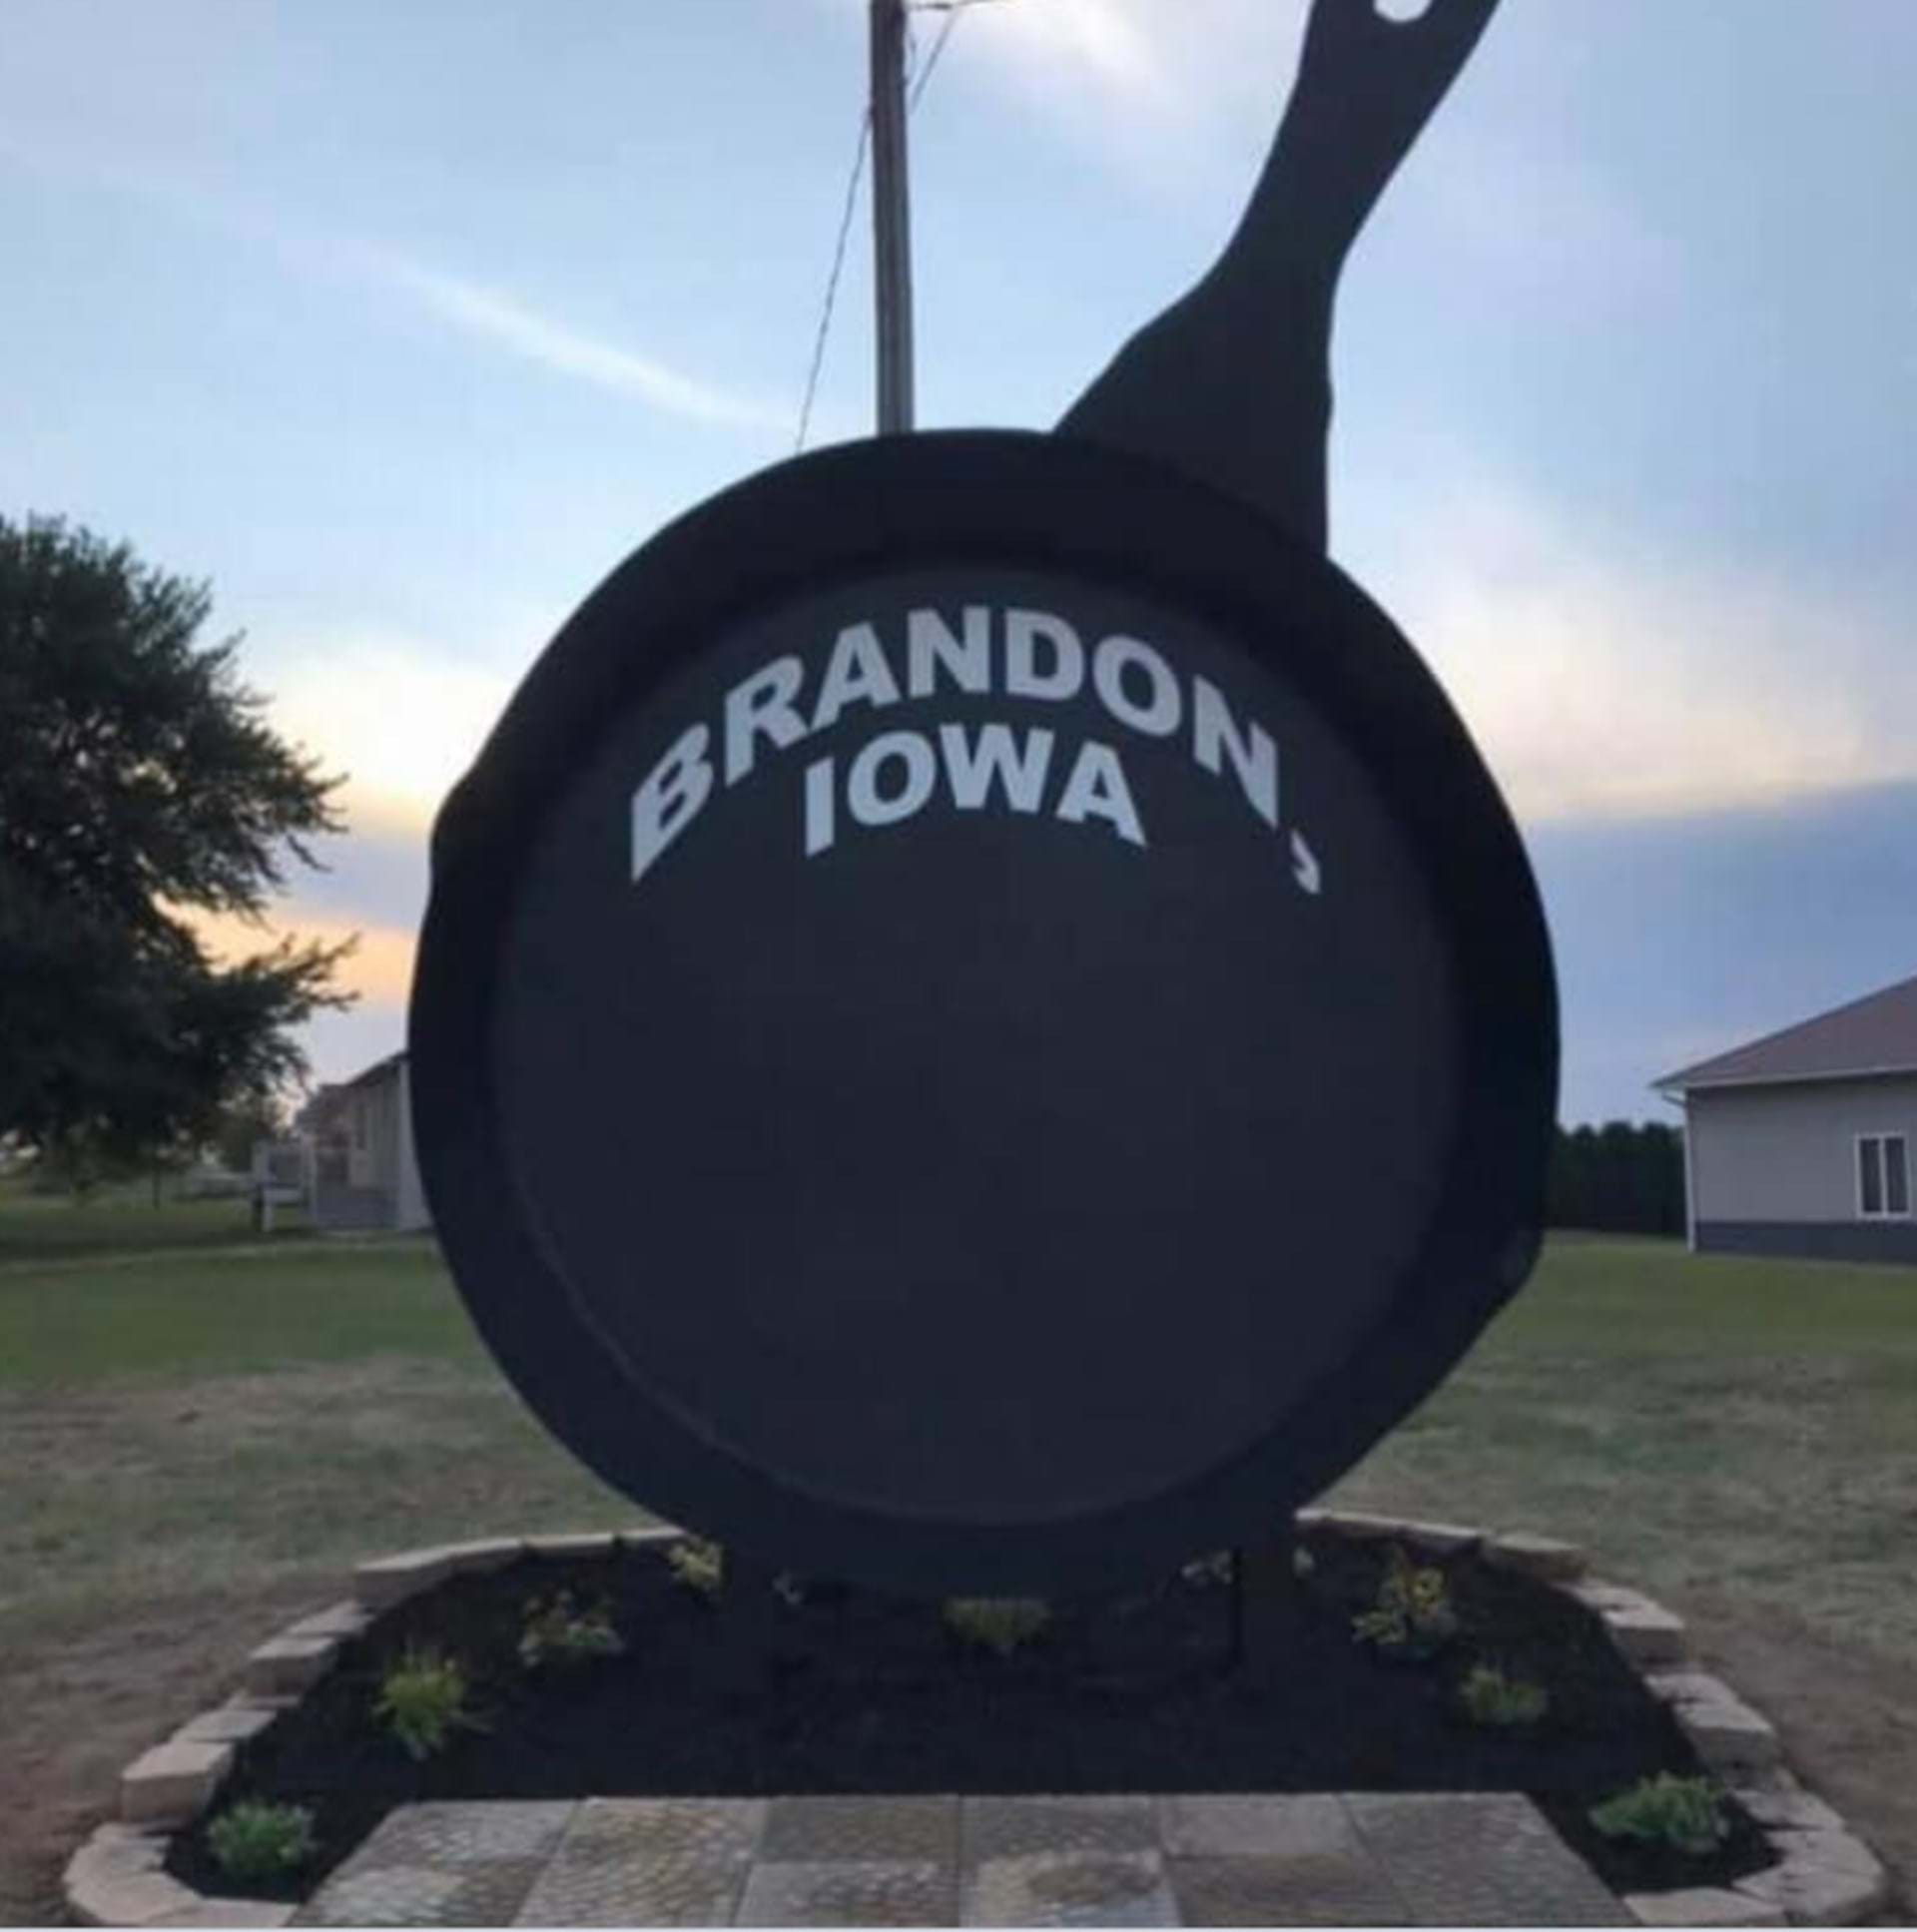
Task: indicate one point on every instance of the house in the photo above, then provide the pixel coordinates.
(1801, 1142)
(364, 1173)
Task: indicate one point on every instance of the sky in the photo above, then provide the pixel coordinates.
(403, 325)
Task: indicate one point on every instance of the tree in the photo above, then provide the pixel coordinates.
(1618, 1178)
(139, 783)
(241, 1125)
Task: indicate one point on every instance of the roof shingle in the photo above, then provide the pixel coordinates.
(1875, 1035)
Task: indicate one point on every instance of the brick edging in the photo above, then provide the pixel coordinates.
(117, 1876)
(1825, 1875)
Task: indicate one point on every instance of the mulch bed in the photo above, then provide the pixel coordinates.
(850, 1690)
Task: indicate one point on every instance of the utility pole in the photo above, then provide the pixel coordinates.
(891, 217)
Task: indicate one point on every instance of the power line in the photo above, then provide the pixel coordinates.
(951, 9)
(953, 14)
(832, 281)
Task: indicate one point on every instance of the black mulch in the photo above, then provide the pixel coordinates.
(854, 1691)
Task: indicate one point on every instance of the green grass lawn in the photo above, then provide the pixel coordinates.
(119, 1219)
(1707, 1424)
(198, 1437)
(279, 1303)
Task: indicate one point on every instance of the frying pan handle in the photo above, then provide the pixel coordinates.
(1232, 382)
(1366, 85)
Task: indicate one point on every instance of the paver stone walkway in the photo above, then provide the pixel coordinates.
(1365, 1859)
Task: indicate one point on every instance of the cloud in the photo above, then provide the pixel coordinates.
(1552, 230)
(507, 324)
(1676, 937)
(1604, 678)
(401, 719)
(379, 969)
(1144, 83)
(1185, 99)
(1109, 48)
(477, 309)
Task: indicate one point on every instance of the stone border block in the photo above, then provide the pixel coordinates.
(1596, 1594)
(115, 1878)
(1691, 1686)
(587, 1543)
(1643, 1630)
(1791, 1809)
(651, 1536)
(1701, 1905)
(171, 1783)
(341, 1620)
(1543, 1558)
(1356, 1524)
(240, 1914)
(481, 1554)
(284, 1666)
(1651, 1634)
(1723, 1730)
(225, 1724)
(1436, 1538)
(1443, 1538)
(1730, 1737)
(1831, 1878)
(388, 1580)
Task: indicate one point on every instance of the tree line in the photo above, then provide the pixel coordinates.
(1617, 1179)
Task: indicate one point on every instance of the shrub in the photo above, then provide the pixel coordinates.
(696, 1566)
(256, 1842)
(423, 1701)
(1686, 1813)
(1001, 1625)
(1413, 1617)
(1494, 1699)
(558, 1632)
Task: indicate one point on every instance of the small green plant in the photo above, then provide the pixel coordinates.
(1495, 1701)
(1001, 1625)
(1221, 1567)
(1685, 1813)
(556, 1632)
(1413, 1617)
(255, 1843)
(1204, 1573)
(696, 1566)
(424, 1700)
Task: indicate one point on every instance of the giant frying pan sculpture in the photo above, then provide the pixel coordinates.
(981, 1025)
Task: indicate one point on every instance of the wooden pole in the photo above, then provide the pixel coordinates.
(891, 217)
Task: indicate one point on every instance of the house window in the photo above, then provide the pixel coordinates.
(1883, 1177)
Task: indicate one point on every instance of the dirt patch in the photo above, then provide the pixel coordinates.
(1848, 1716)
(78, 1712)
(851, 1691)
(151, 1535)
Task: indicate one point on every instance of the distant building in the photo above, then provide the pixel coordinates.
(1801, 1143)
(363, 1174)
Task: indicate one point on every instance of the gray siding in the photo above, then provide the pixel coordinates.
(1788, 1154)
(410, 1210)
(370, 1178)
